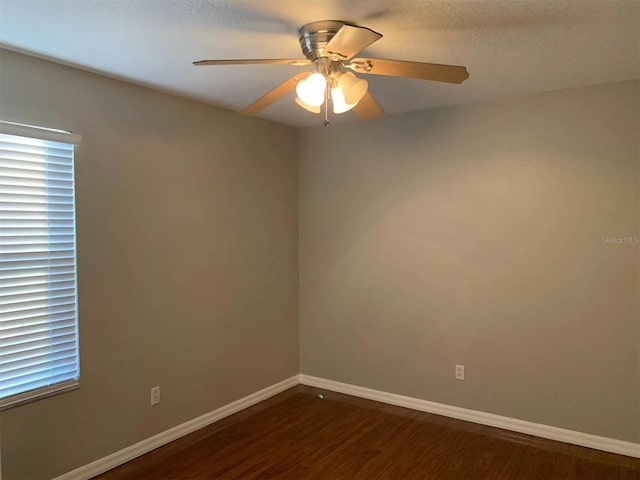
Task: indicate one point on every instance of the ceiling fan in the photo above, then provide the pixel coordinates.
(330, 46)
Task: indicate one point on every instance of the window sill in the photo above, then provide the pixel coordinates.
(39, 394)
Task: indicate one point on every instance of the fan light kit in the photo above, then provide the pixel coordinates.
(330, 46)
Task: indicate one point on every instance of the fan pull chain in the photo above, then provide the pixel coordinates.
(326, 107)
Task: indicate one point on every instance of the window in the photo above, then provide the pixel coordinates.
(38, 294)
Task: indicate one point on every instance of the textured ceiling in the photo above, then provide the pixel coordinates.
(509, 47)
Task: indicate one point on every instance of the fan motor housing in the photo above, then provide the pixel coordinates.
(314, 37)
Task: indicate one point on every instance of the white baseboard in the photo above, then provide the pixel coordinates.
(545, 431)
(129, 453)
(539, 430)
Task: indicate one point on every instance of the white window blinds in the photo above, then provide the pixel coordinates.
(38, 295)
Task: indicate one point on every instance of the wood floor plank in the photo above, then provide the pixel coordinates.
(299, 435)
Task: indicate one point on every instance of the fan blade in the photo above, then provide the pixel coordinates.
(254, 61)
(368, 108)
(351, 40)
(275, 94)
(400, 68)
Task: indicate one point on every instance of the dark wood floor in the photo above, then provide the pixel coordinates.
(298, 435)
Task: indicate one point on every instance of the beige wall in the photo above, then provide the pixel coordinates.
(473, 235)
(187, 254)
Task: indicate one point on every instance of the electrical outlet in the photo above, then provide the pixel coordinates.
(155, 395)
(459, 372)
